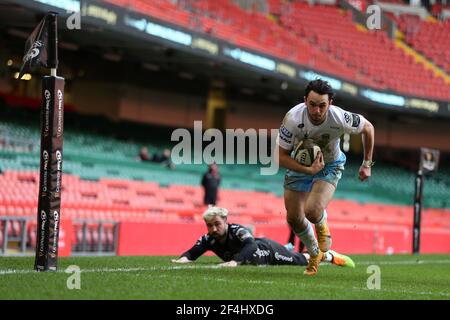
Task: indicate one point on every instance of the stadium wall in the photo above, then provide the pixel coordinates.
(96, 98)
(402, 131)
(245, 115)
(174, 109)
(161, 107)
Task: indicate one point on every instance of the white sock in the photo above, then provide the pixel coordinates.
(322, 219)
(328, 257)
(309, 239)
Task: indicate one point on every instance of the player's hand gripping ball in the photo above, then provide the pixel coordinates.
(306, 153)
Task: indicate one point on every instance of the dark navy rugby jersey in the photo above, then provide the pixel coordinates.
(239, 245)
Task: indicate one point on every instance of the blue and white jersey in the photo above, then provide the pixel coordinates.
(297, 127)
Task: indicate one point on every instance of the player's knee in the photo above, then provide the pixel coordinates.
(295, 222)
(313, 212)
(292, 221)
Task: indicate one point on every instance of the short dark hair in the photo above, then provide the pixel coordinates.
(321, 87)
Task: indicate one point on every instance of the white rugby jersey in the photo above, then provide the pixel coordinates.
(297, 127)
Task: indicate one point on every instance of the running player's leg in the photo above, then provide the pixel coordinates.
(290, 245)
(291, 237)
(301, 247)
(324, 185)
(296, 191)
(321, 194)
(295, 202)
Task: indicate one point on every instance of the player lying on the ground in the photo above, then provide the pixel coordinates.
(235, 245)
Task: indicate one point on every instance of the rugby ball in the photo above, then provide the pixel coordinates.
(305, 155)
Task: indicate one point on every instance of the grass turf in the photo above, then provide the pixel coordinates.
(402, 277)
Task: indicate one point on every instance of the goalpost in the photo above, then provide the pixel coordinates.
(41, 49)
(429, 160)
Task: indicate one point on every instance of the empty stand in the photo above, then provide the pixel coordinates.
(432, 39)
(320, 37)
(369, 53)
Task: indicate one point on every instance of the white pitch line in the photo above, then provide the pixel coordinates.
(11, 271)
(185, 267)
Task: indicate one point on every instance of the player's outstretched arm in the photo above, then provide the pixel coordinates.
(231, 263)
(368, 140)
(199, 248)
(182, 259)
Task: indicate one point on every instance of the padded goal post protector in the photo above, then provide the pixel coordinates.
(51, 158)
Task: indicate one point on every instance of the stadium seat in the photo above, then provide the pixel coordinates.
(429, 38)
(329, 33)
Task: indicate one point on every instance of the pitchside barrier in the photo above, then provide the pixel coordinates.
(77, 237)
(141, 238)
(97, 237)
